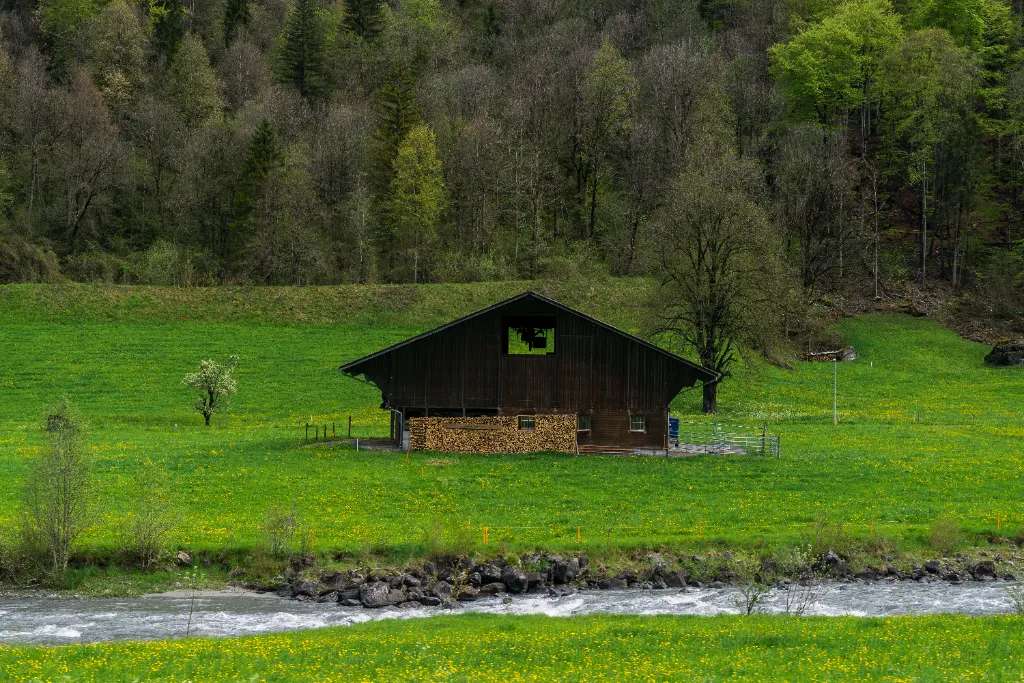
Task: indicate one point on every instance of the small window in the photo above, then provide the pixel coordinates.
(526, 423)
(637, 423)
(582, 423)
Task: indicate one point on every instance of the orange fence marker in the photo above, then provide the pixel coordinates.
(486, 531)
(579, 535)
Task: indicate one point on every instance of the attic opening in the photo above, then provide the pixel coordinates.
(529, 335)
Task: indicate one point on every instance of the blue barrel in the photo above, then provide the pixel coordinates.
(673, 430)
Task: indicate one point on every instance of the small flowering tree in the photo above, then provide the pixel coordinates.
(215, 384)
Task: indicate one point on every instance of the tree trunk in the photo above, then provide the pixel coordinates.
(710, 397)
(206, 418)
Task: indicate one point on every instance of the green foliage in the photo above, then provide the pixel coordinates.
(215, 383)
(63, 24)
(363, 17)
(263, 158)
(167, 19)
(830, 67)
(236, 15)
(117, 54)
(928, 84)
(192, 84)
(152, 518)
(300, 58)
(418, 197)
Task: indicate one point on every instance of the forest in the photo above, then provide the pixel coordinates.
(784, 149)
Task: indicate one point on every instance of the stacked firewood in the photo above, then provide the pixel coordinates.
(493, 434)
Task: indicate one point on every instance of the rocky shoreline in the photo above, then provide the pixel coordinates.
(462, 579)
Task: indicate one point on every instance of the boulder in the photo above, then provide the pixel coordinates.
(350, 603)
(933, 566)
(832, 563)
(1007, 354)
(489, 573)
(515, 580)
(564, 571)
(468, 594)
(616, 583)
(305, 589)
(534, 581)
(492, 588)
(673, 579)
(411, 581)
(379, 594)
(442, 589)
(183, 558)
(430, 600)
(984, 570)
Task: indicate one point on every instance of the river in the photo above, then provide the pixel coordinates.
(40, 619)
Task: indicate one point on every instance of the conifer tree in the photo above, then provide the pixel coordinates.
(236, 15)
(301, 59)
(396, 114)
(263, 158)
(168, 17)
(363, 17)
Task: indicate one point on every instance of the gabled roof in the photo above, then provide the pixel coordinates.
(352, 368)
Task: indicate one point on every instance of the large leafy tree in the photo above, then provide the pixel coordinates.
(831, 67)
(720, 269)
(929, 85)
(193, 85)
(418, 199)
(300, 61)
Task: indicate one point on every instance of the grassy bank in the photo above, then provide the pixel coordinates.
(489, 648)
(927, 432)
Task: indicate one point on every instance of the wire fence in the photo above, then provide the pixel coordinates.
(714, 438)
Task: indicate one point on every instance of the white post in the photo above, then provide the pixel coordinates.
(835, 391)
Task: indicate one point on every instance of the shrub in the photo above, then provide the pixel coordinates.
(96, 265)
(58, 491)
(23, 261)
(152, 517)
(945, 535)
(167, 264)
(280, 530)
(1016, 595)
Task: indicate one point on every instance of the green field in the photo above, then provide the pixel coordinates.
(927, 431)
(483, 648)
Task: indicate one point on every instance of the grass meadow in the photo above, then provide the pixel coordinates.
(927, 432)
(486, 648)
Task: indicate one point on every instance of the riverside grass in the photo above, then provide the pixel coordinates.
(927, 431)
(490, 648)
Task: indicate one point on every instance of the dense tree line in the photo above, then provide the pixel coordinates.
(316, 141)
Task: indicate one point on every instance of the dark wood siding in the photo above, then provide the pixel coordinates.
(593, 370)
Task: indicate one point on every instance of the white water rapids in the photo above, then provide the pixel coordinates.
(32, 618)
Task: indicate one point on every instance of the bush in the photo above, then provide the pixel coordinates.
(96, 265)
(152, 517)
(58, 491)
(23, 261)
(285, 535)
(945, 535)
(167, 264)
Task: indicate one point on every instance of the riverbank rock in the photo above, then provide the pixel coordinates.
(984, 570)
(183, 559)
(515, 580)
(379, 594)
(1007, 354)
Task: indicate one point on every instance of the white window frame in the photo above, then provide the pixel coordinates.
(643, 421)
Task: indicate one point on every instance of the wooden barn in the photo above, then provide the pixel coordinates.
(528, 374)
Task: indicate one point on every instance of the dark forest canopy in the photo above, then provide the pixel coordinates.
(319, 141)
